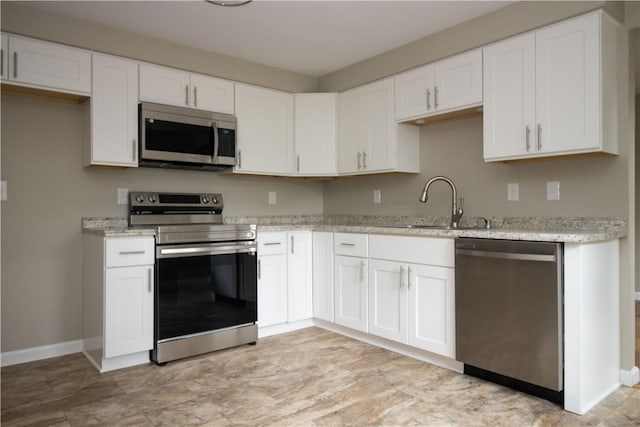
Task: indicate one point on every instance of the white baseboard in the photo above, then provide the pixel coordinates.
(267, 331)
(630, 377)
(38, 353)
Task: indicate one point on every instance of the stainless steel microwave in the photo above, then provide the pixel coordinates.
(185, 138)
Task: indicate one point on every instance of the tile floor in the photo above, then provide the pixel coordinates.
(310, 377)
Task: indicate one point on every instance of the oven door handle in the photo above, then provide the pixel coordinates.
(177, 251)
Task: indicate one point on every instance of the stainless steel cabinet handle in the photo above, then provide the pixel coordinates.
(359, 160)
(1, 61)
(133, 145)
(259, 269)
(15, 65)
(409, 278)
(272, 243)
(348, 244)
(539, 137)
(239, 159)
(298, 163)
(186, 95)
(292, 243)
(428, 99)
(364, 160)
(401, 277)
(131, 252)
(527, 131)
(149, 279)
(435, 97)
(362, 271)
(195, 96)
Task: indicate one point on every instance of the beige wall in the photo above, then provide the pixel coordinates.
(19, 18)
(49, 192)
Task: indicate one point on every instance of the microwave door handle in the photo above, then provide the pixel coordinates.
(216, 142)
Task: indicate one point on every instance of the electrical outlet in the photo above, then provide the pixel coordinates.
(553, 190)
(272, 197)
(377, 196)
(123, 196)
(513, 191)
(3, 190)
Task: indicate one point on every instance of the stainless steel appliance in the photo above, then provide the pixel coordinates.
(206, 274)
(176, 137)
(509, 325)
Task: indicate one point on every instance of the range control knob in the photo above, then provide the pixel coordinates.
(152, 198)
(205, 200)
(139, 198)
(214, 200)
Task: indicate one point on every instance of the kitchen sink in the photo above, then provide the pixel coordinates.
(433, 227)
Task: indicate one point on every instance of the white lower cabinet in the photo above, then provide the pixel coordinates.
(118, 295)
(284, 277)
(388, 300)
(431, 309)
(322, 266)
(351, 292)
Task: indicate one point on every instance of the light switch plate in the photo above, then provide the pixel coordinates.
(553, 190)
(123, 195)
(377, 196)
(513, 191)
(272, 198)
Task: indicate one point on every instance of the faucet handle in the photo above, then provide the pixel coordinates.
(461, 204)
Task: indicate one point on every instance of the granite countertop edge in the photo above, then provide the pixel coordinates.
(118, 227)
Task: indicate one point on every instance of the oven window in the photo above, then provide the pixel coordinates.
(202, 293)
(161, 135)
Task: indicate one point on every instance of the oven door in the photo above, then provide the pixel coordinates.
(205, 287)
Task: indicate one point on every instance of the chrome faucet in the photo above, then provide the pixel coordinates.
(456, 212)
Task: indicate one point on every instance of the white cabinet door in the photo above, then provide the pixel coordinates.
(509, 98)
(432, 309)
(323, 276)
(316, 133)
(4, 53)
(164, 85)
(272, 290)
(128, 310)
(265, 131)
(388, 300)
(114, 112)
(568, 95)
(351, 292)
(458, 81)
(49, 65)
(367, 130)
(349, 153)
(212, 94)
(299, 276)
(414, 93)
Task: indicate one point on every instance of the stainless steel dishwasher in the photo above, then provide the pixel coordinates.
(509, 313)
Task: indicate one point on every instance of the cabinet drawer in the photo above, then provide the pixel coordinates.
(416, 250)
(350, 244)
(272, 243)
(127, 251)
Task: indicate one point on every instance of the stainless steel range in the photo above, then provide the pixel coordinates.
(206, 274)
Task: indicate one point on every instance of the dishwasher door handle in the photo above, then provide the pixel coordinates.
(507, 255)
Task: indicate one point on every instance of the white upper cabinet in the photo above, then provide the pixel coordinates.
(113, 138)
(4, 52)
(46, 65)
(265, 131)
(369, 139)
(552, 91)
(451, 84)
(169, 86)
(316, 133)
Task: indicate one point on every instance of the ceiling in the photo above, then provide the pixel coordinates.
(309, 37)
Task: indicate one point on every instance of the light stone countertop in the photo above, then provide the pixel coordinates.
(567, 230)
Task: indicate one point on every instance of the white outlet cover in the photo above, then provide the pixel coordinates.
(513, 191)
(3, 190)
(377, 196)
(123, 196)
(272, 198)
(553, 190)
